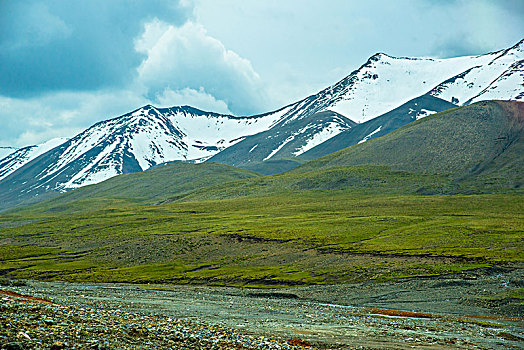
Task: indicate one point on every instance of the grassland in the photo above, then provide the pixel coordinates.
(293, 238)
(432, 197)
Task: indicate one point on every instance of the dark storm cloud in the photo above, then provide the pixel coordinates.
(74, 45)
(67, 64)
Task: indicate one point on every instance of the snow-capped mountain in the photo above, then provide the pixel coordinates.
(18, 157)
(139, 140)
(149, 135)
(384, 83)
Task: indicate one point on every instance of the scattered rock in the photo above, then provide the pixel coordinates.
(13, 346)
(99, 328)
(509, 336)
(58, 346)
(23, 335)
(299, 342)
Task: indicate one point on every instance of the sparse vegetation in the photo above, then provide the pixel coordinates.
(361, 213)
(305, 237)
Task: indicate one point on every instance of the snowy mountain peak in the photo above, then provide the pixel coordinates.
(385, 82)
(151, 135)
(139, 140)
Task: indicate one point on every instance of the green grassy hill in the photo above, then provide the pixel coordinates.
(473, 149)
(273, 166)
(148, 187)
(481, 143)
(353, 215)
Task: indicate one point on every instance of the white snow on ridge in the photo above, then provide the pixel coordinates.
(220, 131)
(386, 82)
(286, 141)
(367, 137)
(474, 81)
(390, 82)
(150, 136)
(22, 156)
(330, 130)
(509, 84)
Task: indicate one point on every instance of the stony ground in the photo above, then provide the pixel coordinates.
(40, 324)
(451, 312)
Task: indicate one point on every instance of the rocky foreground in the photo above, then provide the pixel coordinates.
(466, 311)
(28, 322)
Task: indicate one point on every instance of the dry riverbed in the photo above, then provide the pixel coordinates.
(466, 311)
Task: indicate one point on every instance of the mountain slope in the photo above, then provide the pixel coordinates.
(19, 157)
(468, 143)
(501, 78)
(288, 138)
(410, 111)
(273, 166)
(471, 149)
(153, 185)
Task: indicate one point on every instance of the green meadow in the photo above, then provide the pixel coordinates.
(287, 239)
(439, 195)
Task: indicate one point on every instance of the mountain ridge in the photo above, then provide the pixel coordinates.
(385, 82)
(149, 135)
(485, 156)
(410, 111)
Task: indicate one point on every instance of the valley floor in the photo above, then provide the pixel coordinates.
(470, 310)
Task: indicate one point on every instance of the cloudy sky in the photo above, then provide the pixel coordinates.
(66, 64)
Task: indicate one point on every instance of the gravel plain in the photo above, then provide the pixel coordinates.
(447, 312)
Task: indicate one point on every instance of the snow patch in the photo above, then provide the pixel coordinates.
(424, 113)
(286, 141)
(22, 156)
(371, 134)
(330, 130)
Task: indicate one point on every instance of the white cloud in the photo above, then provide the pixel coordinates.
(64, 114)
(182, 66)
(187, 57)
(190, 97)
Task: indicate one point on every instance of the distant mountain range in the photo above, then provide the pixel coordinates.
(19, 157)
(382, 95)
(384, 83)
(477, 148)
(472, 149)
